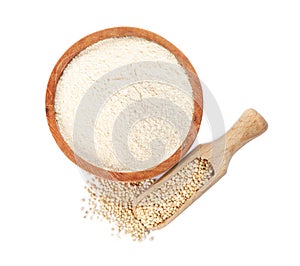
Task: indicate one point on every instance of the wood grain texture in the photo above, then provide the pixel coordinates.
(219, 153)
(123, 32)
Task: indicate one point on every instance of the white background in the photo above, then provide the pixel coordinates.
(248, 54)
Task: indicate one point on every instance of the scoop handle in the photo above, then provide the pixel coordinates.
(219, 152)
(249, 126)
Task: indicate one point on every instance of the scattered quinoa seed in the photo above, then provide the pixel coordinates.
(112, 201)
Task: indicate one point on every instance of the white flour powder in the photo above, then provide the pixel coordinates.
(141, 139)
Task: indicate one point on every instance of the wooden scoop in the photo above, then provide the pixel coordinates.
(219, 152)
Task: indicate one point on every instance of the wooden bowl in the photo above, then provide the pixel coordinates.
(123, 32)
